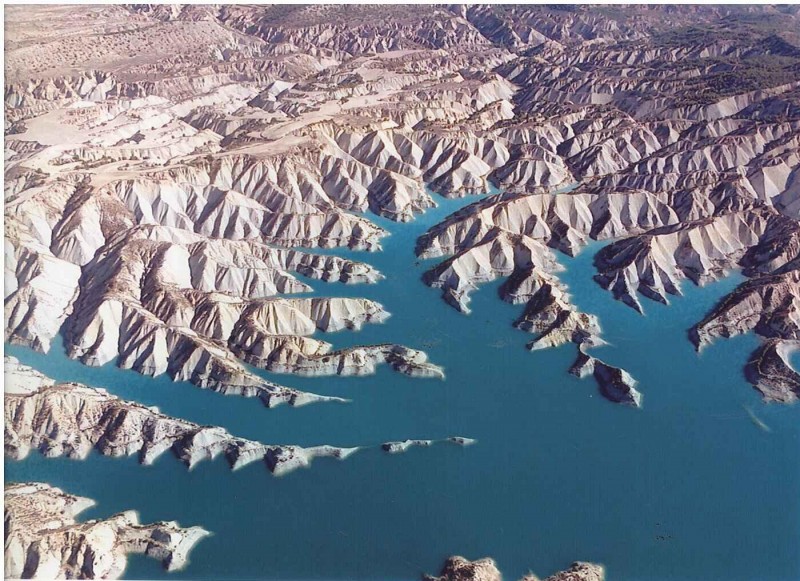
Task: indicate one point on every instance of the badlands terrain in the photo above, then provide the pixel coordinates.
(175, 176)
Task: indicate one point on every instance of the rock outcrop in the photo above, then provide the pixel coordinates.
(461, 569)
(44, 541)
(162, 299)
(580, 571)
(405, 445)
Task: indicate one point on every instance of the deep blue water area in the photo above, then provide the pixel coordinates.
(688, 487)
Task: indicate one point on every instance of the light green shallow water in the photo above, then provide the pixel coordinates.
(686, 488)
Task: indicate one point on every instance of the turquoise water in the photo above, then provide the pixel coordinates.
(687, 487)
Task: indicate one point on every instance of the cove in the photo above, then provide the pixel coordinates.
(688, 484)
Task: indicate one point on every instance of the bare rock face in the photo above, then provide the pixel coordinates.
(44, 541)
(615, 384)
(494, 257)
(169, 171)
(512, 235)
(461, 569)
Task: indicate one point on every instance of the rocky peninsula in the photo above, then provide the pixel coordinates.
(70, 419)
(770, 371)
(44, 541)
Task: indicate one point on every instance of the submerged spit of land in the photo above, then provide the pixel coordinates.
(170, 171)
